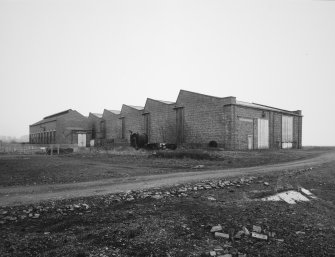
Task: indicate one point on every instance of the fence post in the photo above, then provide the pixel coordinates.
(52, 150)
(58, 149)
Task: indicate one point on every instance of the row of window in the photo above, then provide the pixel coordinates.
(46, 137)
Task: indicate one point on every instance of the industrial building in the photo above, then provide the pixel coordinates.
(97, 126)
(131, 120)
(159, 121)
(67, 127)
(112, 124)
(193, 120)
(235, 125)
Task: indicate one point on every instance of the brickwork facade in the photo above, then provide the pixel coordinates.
(195, 119)
(159, 121)
(131, 120)
(112, 124)
(203, 118)
(60, 129)
(97, 125)
(233, 124)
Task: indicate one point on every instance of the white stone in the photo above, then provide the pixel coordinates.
(259, 236)
(223, 235)
(216, 228)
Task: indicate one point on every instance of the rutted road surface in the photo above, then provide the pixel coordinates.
(18, 195)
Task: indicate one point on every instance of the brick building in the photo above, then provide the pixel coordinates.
(235, 125)
(131, 120)
(67, 127)
(194, 119)
(97, 126)
(159, 121)
(112, 124)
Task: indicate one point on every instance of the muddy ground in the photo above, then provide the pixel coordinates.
(176, 221)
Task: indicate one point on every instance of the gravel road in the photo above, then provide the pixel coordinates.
(10, 196)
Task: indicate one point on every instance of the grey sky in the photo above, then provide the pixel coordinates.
(91, 55)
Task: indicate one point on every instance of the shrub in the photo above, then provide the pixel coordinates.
(192, 154)
(213, 144)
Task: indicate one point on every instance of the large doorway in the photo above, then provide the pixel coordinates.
(287, 132)
(82, 140)
(263, 134)
(250, 142)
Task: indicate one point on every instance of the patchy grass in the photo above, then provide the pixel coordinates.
(79, 167)
(181, 154)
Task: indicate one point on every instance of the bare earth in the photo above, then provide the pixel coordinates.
(17, 195)
(81, 205)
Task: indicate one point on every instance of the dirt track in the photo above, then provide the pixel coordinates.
(10, 196)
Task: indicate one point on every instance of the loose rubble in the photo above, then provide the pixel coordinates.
(228, 248)
(227, 237)
(129, 196)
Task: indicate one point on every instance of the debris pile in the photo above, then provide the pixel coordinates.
(228, 237)
(181, 191)
(291, 196)
(14, 215)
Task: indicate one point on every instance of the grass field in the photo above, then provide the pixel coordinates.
(71, 168)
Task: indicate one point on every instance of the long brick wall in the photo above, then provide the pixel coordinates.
(97, 126)
(203, 118)
(195, 119)
(112, 124)
(162, 121)
(133, 120)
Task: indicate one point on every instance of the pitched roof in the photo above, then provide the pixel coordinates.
(114, 111)
(140, 108)
(190, 92)
(99, 115)
(52, 117)
(264, 107)
(43, 121)
(162, 101)
(58, 114)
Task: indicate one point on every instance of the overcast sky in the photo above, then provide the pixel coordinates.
(90, 55)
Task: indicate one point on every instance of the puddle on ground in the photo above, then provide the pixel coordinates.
(291, 196)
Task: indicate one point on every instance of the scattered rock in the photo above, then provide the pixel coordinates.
(300, 233)
(198, 167)
(216, 228)
(221, 235)
(36, 216)
(259, 236)
(239, 234)
(211, 198)
(257, 229)
(246, 231)
(212, 253)
(266, 184)
(10, 218)
(218, 248)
